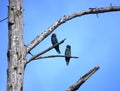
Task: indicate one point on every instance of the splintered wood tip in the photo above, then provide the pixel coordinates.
(97, 67)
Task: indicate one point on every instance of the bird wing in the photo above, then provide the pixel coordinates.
(54, 40)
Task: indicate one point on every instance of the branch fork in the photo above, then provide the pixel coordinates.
(34, 57)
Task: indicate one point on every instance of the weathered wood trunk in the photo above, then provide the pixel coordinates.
(16, 49)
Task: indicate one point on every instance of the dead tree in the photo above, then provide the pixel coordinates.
(17, 50)
(84, 78)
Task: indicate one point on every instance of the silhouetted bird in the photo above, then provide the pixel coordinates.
(67, 54)
(55, 41)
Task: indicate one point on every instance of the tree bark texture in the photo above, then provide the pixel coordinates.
(16, 49)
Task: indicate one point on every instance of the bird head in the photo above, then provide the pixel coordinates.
(53, 35)
(68, 46)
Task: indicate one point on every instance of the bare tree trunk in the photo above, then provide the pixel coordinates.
(16, 48)
(17, 51)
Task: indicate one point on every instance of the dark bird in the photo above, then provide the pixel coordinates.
(55, 41)
(67, 54)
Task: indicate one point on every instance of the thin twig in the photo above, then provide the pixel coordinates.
(39, 54)
(4, 19)
(51, 56)
(76, 86)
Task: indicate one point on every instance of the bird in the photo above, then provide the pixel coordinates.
(55, 41)
(67, 54)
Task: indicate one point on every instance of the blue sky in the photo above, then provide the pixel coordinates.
(96, 41)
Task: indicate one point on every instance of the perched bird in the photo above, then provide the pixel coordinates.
(55, 41)
(67, 54)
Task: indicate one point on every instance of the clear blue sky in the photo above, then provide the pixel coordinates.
(96, 41)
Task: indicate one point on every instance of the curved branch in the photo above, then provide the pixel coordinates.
(37, 55)
(51, 56)
(76, 86)
(48, 31)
